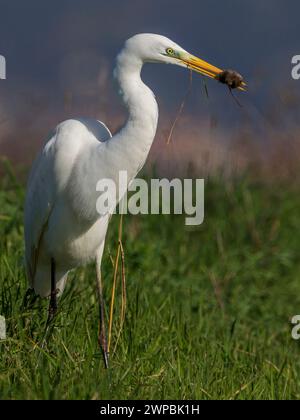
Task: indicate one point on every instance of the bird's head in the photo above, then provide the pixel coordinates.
(159, 49)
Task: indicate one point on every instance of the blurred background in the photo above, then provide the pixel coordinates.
(60, 56)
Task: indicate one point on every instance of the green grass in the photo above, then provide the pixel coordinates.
(208, 314)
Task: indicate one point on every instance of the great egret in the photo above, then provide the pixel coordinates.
(63, 229)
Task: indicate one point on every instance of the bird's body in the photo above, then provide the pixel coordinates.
(71, 230)
(58, 223)
(61, 219)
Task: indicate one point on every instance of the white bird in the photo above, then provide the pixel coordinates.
(63, 229)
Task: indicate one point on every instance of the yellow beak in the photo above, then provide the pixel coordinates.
(204, 68)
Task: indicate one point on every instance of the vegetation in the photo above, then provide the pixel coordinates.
(208, 309)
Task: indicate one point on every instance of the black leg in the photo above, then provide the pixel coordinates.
(52, 309)
(102, 330)
(53, 297)
(102, 336)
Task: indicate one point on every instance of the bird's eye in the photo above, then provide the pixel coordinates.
(170, 51)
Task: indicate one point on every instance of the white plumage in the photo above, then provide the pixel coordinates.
(60, 217)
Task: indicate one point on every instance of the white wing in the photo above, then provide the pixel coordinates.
(49, 173)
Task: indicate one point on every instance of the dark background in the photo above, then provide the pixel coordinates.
(60, 57)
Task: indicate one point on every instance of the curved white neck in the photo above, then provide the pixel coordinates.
(134, 140)
(128, 149)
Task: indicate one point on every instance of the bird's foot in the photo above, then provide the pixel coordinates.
(52, 311)
(104, 349)
(106, 359)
